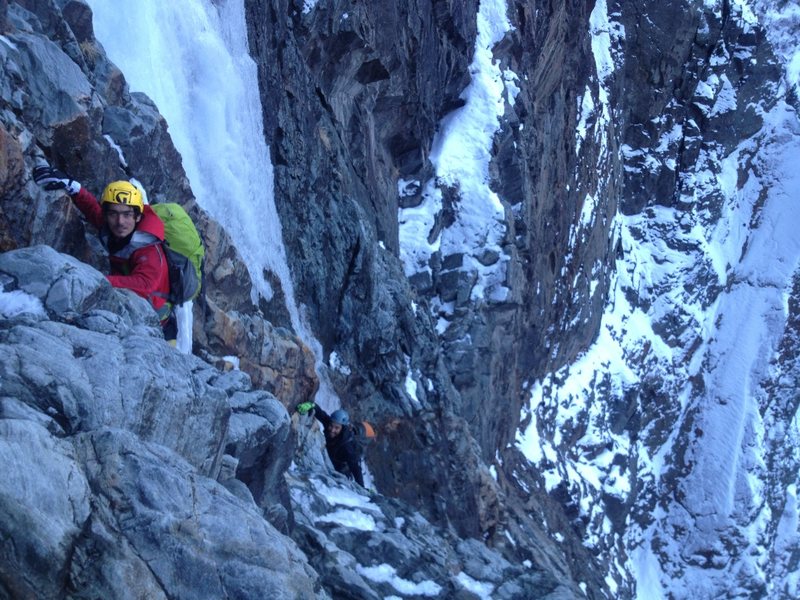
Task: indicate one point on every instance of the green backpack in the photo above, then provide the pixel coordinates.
(184, 250)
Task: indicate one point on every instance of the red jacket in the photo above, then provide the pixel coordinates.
(141, 266)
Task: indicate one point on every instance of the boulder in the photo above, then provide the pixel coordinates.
(260, 438)
(114, 441)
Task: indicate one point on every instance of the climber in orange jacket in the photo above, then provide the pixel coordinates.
(131, 233)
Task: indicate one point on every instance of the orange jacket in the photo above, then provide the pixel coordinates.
(140, 266)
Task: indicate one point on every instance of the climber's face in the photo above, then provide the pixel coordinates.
(121, 220)
(333, 429)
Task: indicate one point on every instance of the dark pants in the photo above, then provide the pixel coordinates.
(170, 327)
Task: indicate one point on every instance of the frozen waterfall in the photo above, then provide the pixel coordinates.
(192, 59)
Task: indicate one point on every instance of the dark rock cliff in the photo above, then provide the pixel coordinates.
(352, 97)
(349, 77)
(364, 87)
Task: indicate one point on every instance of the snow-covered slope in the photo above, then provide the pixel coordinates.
(684, 408)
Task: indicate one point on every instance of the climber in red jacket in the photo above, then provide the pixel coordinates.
(131, 233)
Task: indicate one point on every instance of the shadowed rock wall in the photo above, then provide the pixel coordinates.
(352, 95)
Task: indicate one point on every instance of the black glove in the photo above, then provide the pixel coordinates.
(53, 179)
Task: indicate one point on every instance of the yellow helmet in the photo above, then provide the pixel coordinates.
(123, 192)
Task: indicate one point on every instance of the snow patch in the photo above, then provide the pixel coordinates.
(352, 519)
(17, 302)
(460, 154)
(481, 589)
(387, 574)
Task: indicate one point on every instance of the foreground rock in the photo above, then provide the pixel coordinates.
(112, 442)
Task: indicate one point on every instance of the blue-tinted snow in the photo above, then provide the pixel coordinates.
(786, 541)
(388, 574)
(606, 35)
(411, 386)
(233, 360)
(353, 519)
(460, 153)
(336, 364)
(601, 29)
(753, 251)
(309, 5)
(18, 302)
(726, 98)
(481, 589)
(342, 496)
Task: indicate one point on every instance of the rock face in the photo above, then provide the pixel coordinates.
(615, 140)
(349, 531)
(133, 463)
(99, 132)
(117, 482)
(355, 82)
(113, 442)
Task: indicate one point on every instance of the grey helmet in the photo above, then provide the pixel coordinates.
(341, 417)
